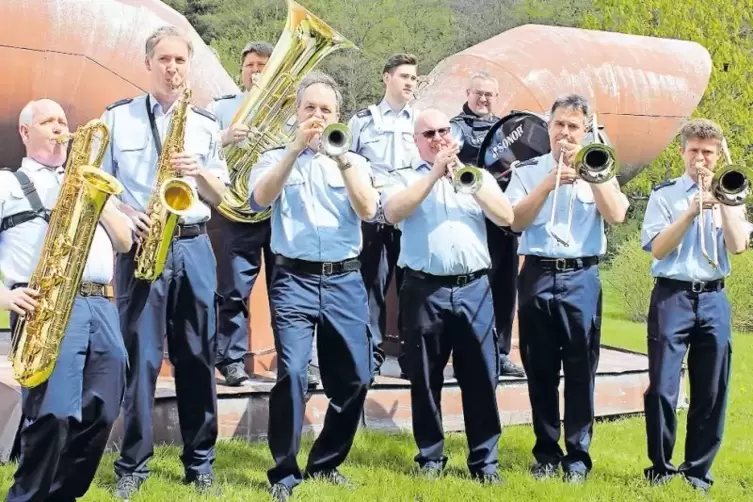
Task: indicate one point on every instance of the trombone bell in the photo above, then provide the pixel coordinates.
(730, 185)
(595, 163)
(335, 140)
(467, 180)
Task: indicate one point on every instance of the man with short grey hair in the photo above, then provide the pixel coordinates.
(559, 290)
(318, 200)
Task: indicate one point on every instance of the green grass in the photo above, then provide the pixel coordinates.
(382, 466)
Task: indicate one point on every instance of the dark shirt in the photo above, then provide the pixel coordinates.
(474, 129)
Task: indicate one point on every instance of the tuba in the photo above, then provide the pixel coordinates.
(171, 199)
(57, 276)
(270, 103)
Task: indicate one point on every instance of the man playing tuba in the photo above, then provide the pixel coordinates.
(68, 417)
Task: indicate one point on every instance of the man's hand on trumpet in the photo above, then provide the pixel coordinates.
(446, 160)
(308, 134)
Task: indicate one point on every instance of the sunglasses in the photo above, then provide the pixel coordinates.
(443, 131)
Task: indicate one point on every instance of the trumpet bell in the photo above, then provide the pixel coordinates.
(336, 139)
(730, 185)
(596, 163)
(467, 180)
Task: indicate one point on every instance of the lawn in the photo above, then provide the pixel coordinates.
(382, 466)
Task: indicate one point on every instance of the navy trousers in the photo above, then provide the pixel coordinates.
(180, 304)
(560, 327)
(68, 418)
(503, 250)
(678, 321)
(238, 266)
(381, 248)
(439, 321)
(336, 306)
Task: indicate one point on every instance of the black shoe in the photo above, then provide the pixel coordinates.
(658, 478)
(204, 484)
(127, 487)
(331, 476)
(509, 368)
(541, 471)
(280, 492)
(235, 375)
(489, 478)
(574, 477)
(313, 377)
(430, 471)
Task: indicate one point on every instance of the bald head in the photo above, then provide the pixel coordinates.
(432, 131)
(39, 124)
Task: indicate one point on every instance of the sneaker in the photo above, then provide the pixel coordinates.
(489, 478)
(204, 484)
(331, 476)
(280, 492)
(313, 377)
(127, 487)
(235, 374)
(541, 471)
(430, 471)
(509, 368)
(574, 477)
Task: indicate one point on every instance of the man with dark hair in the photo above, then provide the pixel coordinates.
(559, 290)
(689, 307)
(241, 244)
(383, 133)
(474, 123)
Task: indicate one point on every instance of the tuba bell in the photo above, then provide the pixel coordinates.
(270, 103)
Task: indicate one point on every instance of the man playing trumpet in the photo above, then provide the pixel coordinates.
(319, 199)
(445, 300)
(689, 307)
(559, 293)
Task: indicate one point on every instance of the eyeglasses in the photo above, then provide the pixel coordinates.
(443, 131)
(481, 94)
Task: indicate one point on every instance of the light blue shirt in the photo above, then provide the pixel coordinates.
(666, 203)
(312, 218)
(132, 155)
(385, 138)
(446, 234)
(586, 236)
(224, 108)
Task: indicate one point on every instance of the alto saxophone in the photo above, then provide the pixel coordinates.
(57, 276)
(170, 199)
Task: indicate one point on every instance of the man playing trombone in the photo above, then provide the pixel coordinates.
(690, 241)
(319, 196)
(445, 300)
(559, 293)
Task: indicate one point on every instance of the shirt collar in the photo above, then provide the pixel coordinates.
(687, 182)
(385, 108)
(156, 106)
(32, 165)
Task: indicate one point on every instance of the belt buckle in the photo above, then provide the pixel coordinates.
(178, 232)
(697, 286)
(327, 268)
(462, 280)
(560, 264)
(86, 289)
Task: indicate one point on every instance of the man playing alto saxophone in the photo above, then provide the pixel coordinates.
(445, 300)
(180, 302)
(68, 418)
(318, 203)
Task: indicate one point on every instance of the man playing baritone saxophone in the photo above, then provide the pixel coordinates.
(68, 418)
(689, 308)
(445, 300)
(559, 289)
(180, 303)
(318, 203)
(241, 243)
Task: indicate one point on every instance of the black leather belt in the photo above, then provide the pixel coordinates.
(317, 267)
(562, 264)
(86, 288)
(694, 286)
(447, 281)
(187, 231)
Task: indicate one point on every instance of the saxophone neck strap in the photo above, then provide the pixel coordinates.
(153, 125)
(37, 208)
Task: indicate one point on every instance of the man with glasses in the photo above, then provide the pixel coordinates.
(474, 122)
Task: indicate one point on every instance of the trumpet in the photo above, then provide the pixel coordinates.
(467, 179)
(335, 140)
(595, 163)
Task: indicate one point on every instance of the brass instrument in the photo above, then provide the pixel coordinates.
(270, 103)
(57, 276)
(730, 184)
(335, 140)
(467, 180)
(171, 199)
(595, 163)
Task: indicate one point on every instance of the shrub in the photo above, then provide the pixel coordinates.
(630, 277)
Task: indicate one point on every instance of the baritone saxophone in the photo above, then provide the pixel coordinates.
(57, 276)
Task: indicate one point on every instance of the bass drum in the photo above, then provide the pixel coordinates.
(514, 138)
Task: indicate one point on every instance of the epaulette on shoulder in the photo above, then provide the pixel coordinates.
(118, 103)
(529, 162)
(226, 96)
(364, 113)
(663, 184)
(204, 113)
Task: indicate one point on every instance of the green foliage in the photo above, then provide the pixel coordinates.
(725, 30)
(617, 234)
(630, 277)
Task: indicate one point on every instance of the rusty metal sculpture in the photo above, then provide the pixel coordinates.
(85, 55)
(642, 87)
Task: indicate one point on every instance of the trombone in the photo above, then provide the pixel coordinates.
(730, 185)
(595, 163)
